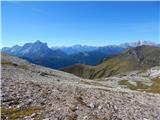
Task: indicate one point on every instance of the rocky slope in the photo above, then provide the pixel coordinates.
(139, 58)
(31, 92)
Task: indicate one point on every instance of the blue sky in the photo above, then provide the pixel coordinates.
(87, 23)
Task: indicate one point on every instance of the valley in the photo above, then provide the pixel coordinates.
(122, 86)
(138, 58)
(34, 92)
(62, 57)
(80, 60)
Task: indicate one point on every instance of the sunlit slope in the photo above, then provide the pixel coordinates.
(139, 58)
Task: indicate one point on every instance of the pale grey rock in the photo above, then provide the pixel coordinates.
(72, 97)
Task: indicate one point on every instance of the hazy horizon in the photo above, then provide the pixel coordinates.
(78, 44)
(86, 23)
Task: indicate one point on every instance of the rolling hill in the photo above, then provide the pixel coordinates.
(138, 58)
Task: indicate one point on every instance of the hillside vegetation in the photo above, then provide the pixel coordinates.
(139, 58)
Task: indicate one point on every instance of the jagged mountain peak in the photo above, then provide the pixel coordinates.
(38, 42)
(34, 50)
(145, 42)
(138, 43)
(60, 57)
(16, 46)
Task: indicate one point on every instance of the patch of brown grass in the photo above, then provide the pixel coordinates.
(17, 113)
(8, 63)
(154, 88)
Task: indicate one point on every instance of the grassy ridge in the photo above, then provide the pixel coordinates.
(139, 58)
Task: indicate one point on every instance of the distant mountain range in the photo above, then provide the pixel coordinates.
(75, 49)
(85, 48)
(138, 58)
(138, 43)
(61, 57)
(33, 50)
